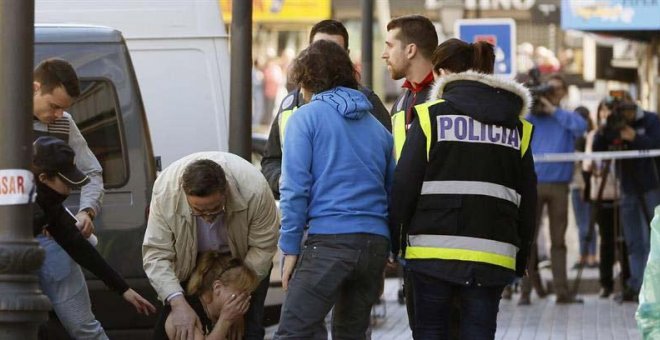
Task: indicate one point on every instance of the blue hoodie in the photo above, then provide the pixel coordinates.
(337, 169)
(556, 133)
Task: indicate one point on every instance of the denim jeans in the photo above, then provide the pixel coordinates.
(62, 280)
(342, 270)
(582, 212)
(433, 308)
(636, 232)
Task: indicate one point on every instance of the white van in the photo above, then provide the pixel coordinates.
(180, 54)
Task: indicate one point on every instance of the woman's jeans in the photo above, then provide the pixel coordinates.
(340, 270)
(433, 308)
(62, 280)
(582, 212)
(636, 231)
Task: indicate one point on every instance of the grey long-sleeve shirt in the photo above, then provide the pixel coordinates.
(91, 195)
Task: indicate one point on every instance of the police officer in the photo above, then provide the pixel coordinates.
(464, 193)
(409, 45)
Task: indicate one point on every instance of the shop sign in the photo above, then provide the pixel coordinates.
(501, 33)
(610, 15)
(304, 11)
(520, 5)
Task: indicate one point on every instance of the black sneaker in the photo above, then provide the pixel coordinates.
(524, 300)
(507, 292)
(605, 293)
(627, 295)
(566, 299)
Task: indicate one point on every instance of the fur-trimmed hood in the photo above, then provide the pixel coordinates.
(485, 97)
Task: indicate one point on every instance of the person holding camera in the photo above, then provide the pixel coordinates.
(555, 131)
(629, 127)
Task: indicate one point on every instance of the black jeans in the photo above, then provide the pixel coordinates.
(254, 317)
(608, 246)
(433, 308)
(341, 270)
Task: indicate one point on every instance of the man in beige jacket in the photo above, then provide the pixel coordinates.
(209, 201)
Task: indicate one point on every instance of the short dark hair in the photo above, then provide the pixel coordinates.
(584, 113)
(561, 79)
(53, 73)
(456, 55)
(418, 30)
(322, 66)
(331, 27)
(203, 177)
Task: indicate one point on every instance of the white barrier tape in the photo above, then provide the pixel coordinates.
(580, 156)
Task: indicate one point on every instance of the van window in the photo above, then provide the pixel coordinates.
(96, 112)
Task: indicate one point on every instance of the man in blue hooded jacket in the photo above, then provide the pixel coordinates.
(336, 178)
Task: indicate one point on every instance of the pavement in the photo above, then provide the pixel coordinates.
(601, 319)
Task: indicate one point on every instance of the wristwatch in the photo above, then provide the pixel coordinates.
(90, 212)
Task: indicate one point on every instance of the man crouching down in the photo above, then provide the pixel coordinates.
(209, 201)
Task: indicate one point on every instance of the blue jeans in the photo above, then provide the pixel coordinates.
(582, 212)
(636, 232)
(62, 280)
(344, 270)
(433, 308)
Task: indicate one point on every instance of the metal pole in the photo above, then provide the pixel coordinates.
(367, 42)
(240, 93)
(22, 305)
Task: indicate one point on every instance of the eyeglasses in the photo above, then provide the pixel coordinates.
(207, 213)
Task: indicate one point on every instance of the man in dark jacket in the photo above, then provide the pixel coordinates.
(271, 163)
(629, 127)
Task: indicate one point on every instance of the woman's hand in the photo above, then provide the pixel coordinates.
(141, 304)
(235, 307)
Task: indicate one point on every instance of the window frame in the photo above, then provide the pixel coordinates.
(120, 126)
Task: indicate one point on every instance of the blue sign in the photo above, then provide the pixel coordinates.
(501, 33)
(610, 15)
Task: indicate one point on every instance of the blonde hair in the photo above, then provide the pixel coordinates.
(212, 266)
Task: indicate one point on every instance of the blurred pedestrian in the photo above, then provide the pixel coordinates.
(336, 176)
(555, 131)
(55, 228)
(464, 193)
(274, 79)
(631, 128)
(606, 213)
(258, 99)
(219, 293)
(209, 201)
(580, 200)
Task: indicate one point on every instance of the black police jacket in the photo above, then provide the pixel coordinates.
(464, 192)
